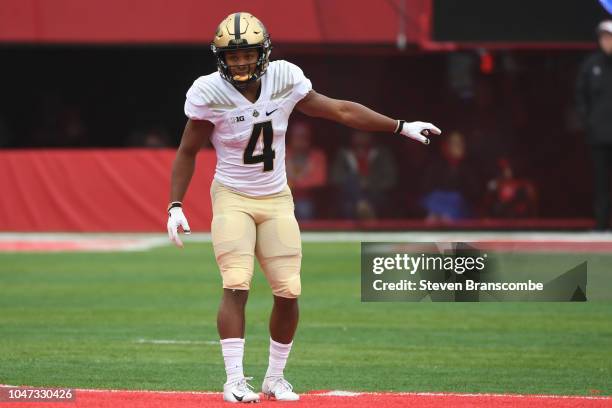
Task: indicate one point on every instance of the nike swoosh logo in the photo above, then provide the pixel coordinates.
(237, 397)
(269, 113)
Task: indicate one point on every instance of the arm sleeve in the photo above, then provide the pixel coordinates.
(196, 105)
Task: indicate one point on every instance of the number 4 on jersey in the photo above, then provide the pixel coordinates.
(268, 155)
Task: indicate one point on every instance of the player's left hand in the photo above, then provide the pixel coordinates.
(419, 131)
(177, 219)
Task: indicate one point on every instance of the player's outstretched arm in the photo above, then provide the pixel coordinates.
(360, 117)
(194, 135)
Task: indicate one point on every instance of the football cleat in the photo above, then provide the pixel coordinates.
(279, 389)
(239, 391)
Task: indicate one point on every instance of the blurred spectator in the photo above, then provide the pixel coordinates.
(460, 72)
(594, 105)
(6, 136)
(44, 131)
(72, 131)
(449, 183)
(364, 175)
(59, 125)
(306, 169)
(153, 138)
(510, 197)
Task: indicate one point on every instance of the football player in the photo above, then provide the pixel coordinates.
(244, 108)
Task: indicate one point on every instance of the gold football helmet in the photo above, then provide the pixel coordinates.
(240, 31)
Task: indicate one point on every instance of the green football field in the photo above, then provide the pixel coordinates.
(146, 320)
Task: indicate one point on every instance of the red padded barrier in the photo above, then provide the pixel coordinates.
(194, 21)
(97, 190)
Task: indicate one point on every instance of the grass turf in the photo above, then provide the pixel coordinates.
(76, 319)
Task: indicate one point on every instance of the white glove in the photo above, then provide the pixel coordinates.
(177, 219)
(418, 131)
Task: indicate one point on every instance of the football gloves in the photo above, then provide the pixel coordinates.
(417, 130)
(177, 219)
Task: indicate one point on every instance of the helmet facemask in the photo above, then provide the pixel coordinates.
(255, 71)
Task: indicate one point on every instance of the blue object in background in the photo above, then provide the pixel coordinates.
(607, 4)
(448, 204)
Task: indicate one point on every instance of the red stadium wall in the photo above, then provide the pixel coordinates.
(97, 190)
(190, 21)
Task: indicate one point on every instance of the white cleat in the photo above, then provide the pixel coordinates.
(279, 389)
(239, 391)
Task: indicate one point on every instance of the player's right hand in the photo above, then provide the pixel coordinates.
(177, 219)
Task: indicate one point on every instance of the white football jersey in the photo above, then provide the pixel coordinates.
(249, 138)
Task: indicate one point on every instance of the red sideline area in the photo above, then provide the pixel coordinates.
(126, 190)
(49, 244)
(137, 399)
